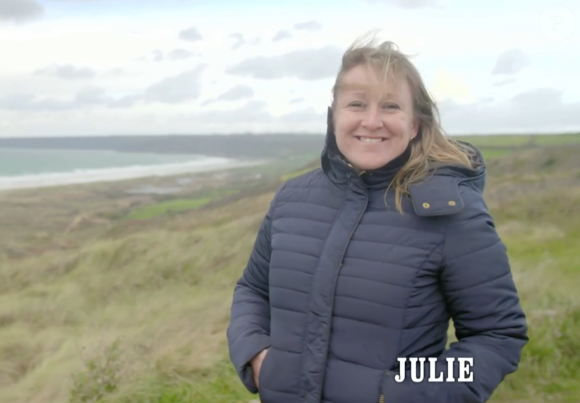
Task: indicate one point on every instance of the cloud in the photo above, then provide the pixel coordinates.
(157, 55)
(172, 90)
(281, 35)
(19, 11)
(87, 97)
(180, 54)
(236, 93)
(175, 55)
(410, 4)
(296, 101)
(30, 102)
(537, 110)
(505, 82)
(191, 34)
(308, 116)
(511, 62)
(233, 94)
(252, 114)
(310, 26)
(239, 40)
(91, 96)
(127, 101)
(68, 72)
(449, 85)
(180, 88)
(117, 72)
(306, 64)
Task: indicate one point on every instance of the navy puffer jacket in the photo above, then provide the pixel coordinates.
(339, 286)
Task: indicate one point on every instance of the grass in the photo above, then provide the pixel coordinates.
(135, 311)
(178, 205)
(497, 146)
(517, 140)
(294, 174)
(495, 153)
(282, 166)
(547, 267)
(163, 294)
(171, 206)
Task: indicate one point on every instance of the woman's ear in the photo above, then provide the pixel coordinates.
(418, 133)
(416, 130)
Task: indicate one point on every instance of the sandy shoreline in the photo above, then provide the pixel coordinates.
(104, 175)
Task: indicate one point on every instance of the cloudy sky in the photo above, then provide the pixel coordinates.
(102, 67)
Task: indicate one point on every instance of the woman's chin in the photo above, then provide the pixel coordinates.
(370, 164)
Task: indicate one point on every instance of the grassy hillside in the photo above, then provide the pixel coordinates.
(135, 310)
(494, 146)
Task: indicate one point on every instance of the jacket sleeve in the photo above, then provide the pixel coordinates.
(248, 332)
(481, 296)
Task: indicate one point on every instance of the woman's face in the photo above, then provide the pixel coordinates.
(373, 126)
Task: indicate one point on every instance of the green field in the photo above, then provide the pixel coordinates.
(107, 309)
(516, 140)
(494, 146)
(176, 205)
(171, 206)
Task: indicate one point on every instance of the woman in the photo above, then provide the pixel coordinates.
(364, 261)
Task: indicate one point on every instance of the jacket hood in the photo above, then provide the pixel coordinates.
(475, 175)
(437, 194)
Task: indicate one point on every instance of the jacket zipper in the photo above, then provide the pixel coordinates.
(382, 395)
(346, 246)
(348, 241)
(357, 223)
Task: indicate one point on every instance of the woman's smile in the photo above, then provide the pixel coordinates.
(371, 140)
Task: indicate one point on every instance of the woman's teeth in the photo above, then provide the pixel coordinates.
(371, 139)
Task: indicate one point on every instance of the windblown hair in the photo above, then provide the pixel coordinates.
(430, 145)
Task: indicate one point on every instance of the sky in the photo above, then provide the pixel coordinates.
(145, 67)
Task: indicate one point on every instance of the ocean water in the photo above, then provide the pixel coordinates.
(22, 168)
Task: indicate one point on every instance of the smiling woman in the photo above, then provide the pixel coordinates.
(362, 263)
(372, 126)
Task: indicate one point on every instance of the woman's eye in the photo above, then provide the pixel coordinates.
(356, 104)
(391, 106)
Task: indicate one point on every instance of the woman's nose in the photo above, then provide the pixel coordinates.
(372, 119)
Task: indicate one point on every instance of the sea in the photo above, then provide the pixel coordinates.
(31, 168)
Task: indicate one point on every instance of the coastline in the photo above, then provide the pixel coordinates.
(115, 175)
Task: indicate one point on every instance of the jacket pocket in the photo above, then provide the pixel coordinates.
(264, 369)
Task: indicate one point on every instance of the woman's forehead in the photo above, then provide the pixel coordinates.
(370, 81)
(386, 90)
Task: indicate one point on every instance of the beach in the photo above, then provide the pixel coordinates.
(41, 168)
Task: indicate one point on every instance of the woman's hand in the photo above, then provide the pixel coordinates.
(257, 365)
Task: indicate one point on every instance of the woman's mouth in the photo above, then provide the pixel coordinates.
(370, 140)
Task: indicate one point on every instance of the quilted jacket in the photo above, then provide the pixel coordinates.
(339, 285)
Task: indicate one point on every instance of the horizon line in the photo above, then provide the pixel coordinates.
(92, 136)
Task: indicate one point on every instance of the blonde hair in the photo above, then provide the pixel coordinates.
(430, 145)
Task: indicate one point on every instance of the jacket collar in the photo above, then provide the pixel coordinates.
(438, 194)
